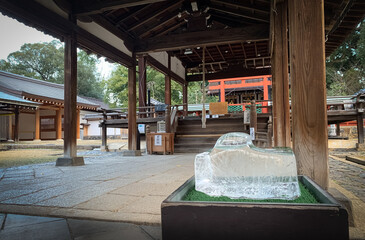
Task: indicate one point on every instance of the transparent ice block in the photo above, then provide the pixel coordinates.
(237, 169)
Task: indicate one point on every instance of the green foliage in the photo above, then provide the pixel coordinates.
(45, 61)
(345, 68)
(116, 88)
(195, 94)
(305, 197)
(38, 60)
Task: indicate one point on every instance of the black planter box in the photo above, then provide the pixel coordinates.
(238, 220)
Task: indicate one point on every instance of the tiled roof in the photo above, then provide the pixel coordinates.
(21, 85)
(4, 97)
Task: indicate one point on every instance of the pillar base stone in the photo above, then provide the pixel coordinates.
(70, 161)
(360, 146)
(132, 153)
(36, 140)
(104, 149)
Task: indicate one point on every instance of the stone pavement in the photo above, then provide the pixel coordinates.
(116, 197)
(109, 187)
(19, 227)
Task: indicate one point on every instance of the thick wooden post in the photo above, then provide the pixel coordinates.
(37, 133)
(16, 128)
(142, 90)
(307, 72)
(280, 87)
(132, 114)
(70, 116)
(59, 124)
(168, 84)
(185, 99)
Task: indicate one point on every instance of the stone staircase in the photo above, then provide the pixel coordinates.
(190, 137)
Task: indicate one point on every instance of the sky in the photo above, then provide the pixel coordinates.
(15, 34)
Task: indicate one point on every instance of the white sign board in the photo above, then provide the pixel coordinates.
(158, 140)
(246, 117)
(141, 128)
(252, 133)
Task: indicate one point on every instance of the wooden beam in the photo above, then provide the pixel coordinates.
(195, 39)
(36, 15)
(308, 85)
(132, 113)
(280, 78)
(232, 72)
(103, 6)
(162, 68)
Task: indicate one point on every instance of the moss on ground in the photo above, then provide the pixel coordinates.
(305, 197)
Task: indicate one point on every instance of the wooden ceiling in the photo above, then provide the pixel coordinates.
(235, 32)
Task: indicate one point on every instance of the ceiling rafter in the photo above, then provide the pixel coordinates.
(155, 14)
(170, 29)
(168, 19)
(241, 5)
(132, 15)
(103, 6)
(238, 14)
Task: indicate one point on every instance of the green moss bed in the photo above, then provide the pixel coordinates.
(305, 197)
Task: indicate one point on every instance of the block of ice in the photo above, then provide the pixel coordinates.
(237, 169)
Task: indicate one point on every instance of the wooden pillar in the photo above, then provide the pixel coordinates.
(142, 95)
(37, 134)
(132, 118)
(222, 91)
(16, 128)
(70, 116)
(168, 84)
(307, 72)
(104, 133)
(78, 124)
(280, 81)
(360, 127)
(59, 124)
(185, 99)
(338, 129)
(204, 119)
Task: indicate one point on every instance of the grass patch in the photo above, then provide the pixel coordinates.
(20, 157)
(305, 197)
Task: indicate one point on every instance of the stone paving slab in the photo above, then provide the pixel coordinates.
(109, 187)
(46, 228)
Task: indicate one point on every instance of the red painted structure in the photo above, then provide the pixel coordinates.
(241, 90)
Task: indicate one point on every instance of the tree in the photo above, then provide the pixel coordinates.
(45, 61)
(116, 87)
(345, 68)
(39, 60)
